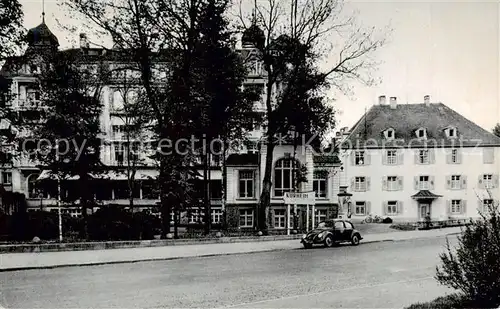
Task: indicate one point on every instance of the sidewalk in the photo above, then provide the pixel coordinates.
(21, 261)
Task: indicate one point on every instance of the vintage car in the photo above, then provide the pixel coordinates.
(331, 232)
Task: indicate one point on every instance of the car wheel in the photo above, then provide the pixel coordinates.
(355, 240)
(307, 246)
(329, 241)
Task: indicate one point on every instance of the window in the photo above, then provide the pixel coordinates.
(284, 177)
(488, 155)
(360, 184)
(117, 131)
(487, 204)
(456, 206)
(339, 225)
(392, 208)
(119, 155)
(392, 183)
(279, 218)
(488, 181)
(6, 178)
(360, 209)
(455, 182)
(216, 189)
(246, 189)
(391, 157)
(454, 156)
(319, 183)
(421, 133)
(359, 157)
(246, 218)
(117, 100)
(451, 133)
(216, 216)
(252, 148)
(134, 152)
(257, 88)
(131, 97)
(348, 225)
(32, 189)
(256, 68)
(321, 215)
(423, 156)
(424, 183)
(389, 134)
(196, 216)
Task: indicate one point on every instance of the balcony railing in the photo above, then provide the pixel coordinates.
(30, 104)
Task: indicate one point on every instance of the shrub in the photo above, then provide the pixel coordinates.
(472, 267)
(403, 227)
(447, 302)
(115, 223)
(387, 220)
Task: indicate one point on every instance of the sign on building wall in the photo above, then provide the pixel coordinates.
(300, 198)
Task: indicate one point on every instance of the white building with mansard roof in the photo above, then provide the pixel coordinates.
(407, 161)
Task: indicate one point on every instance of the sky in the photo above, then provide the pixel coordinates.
(449, 50)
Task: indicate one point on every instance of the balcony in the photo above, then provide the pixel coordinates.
(29, 104)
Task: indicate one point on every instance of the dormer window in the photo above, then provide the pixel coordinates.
(389, 133)
(451, 132)
(421, 133)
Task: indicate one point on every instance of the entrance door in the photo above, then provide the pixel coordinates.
(425, 208)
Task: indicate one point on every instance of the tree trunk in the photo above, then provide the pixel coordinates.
(206, 190)
(176, 223)
(84, 200)
(265, 197)
(223, 193)
(165, 207)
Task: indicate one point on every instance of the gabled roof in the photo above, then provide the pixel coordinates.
(407, 118)
(425, 194)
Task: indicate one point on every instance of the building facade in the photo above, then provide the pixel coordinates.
(407, 161)
(244, 167)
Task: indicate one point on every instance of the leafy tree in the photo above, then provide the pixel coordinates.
(226, 105)
(11, 28)
(292, 47)
(11, 41)
(71, 92)
(496, 130)
(135, 116)
(470, 267)
(165, 35)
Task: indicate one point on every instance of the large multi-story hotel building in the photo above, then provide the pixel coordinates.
(245, 168)
(407, 161)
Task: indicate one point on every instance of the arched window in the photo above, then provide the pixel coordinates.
(117, 100)
(284, 176)
(32, 186)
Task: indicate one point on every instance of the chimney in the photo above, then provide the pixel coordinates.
(394, 102)
(381, 100)
(84, 43)
(427, 100)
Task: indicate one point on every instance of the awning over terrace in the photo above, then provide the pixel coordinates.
(105, 175)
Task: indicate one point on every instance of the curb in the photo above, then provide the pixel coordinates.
(90, 246)
(194, 256)
(2, 270)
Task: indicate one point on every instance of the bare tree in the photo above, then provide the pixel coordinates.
(294, 42)
(135, 116)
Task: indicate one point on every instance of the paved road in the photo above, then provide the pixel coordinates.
(377, 275)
